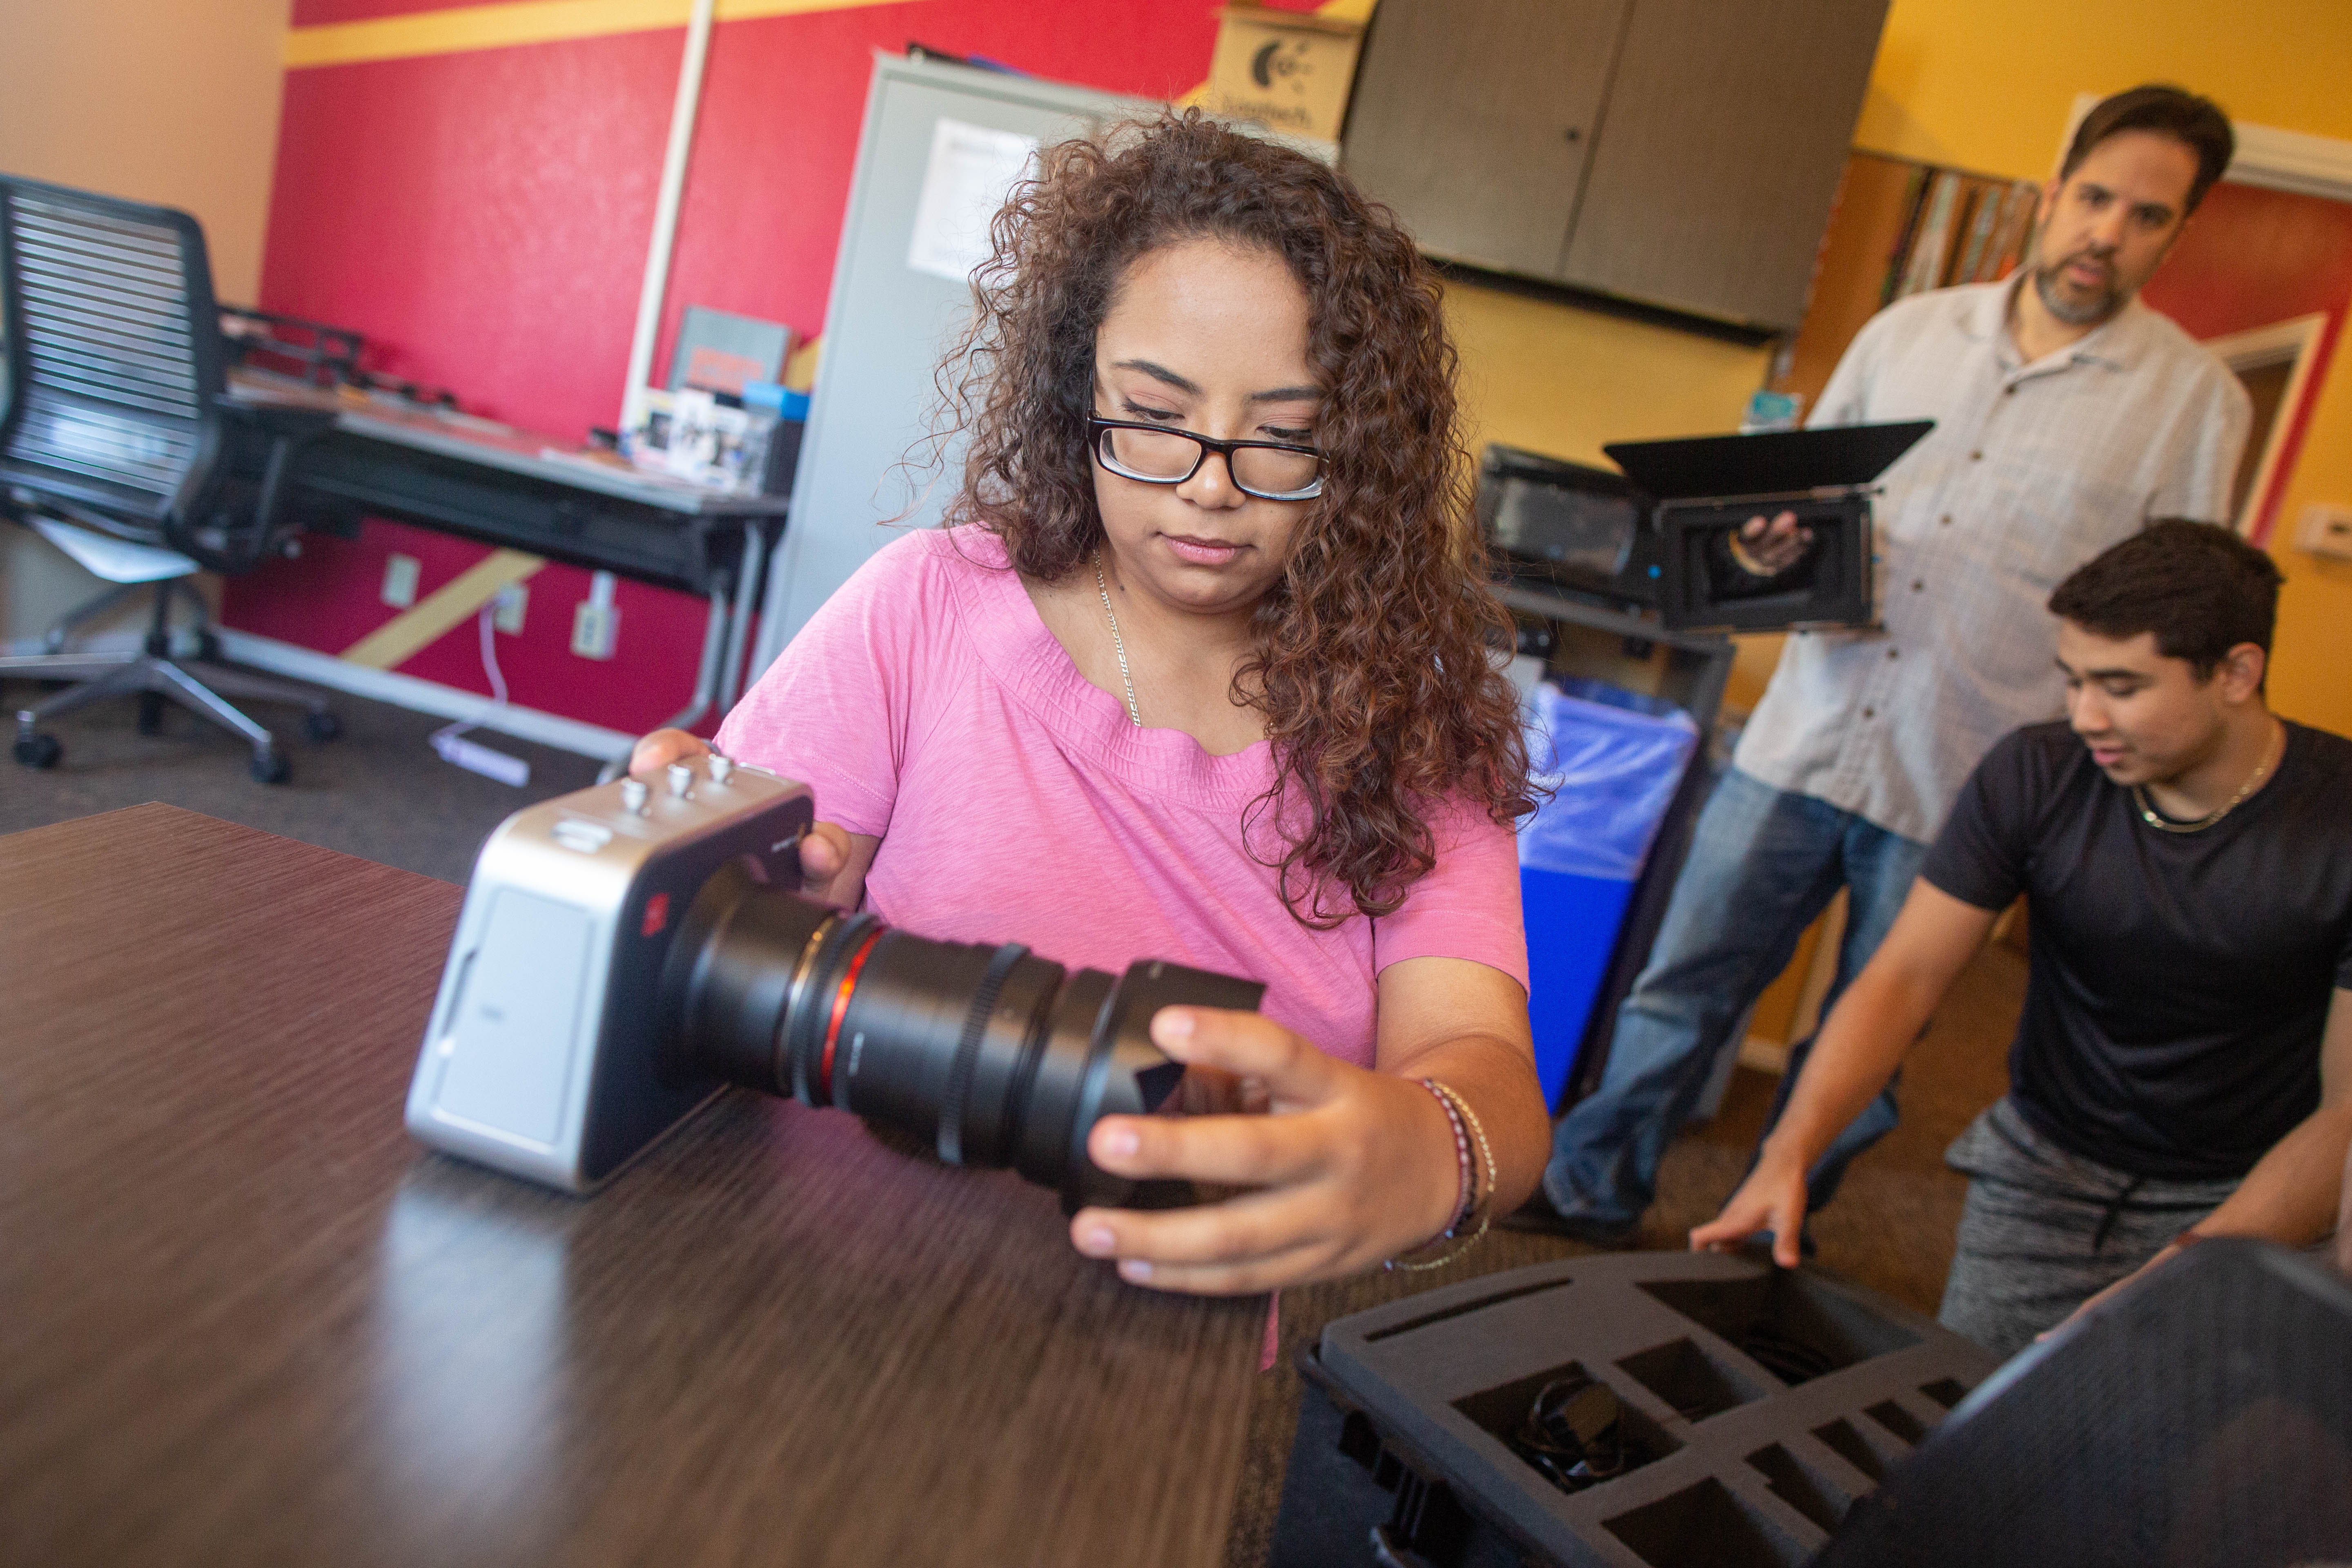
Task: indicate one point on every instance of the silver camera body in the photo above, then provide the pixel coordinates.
(544, 1055)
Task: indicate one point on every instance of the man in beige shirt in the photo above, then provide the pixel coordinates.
(2067, 412)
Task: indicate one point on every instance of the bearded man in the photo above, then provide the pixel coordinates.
(2067, 414)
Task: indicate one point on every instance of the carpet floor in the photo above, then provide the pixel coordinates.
(379, 791)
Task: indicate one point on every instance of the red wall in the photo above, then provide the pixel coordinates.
(483, 218)
(2252, 257)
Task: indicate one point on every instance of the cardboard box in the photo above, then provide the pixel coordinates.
(1289, 70)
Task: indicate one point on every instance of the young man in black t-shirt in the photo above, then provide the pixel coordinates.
(2183, 1066)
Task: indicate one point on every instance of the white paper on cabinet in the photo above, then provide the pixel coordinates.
(972, 170)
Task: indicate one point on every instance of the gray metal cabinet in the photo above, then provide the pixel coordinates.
(1476, 121)
(1680, 153)
(887, 324)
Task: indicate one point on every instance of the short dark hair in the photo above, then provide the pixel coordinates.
(2198, 123)
(2197, 585)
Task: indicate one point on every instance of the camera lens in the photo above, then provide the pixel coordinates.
(996, 1056)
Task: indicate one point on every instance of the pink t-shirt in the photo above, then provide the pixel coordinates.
(929, 706)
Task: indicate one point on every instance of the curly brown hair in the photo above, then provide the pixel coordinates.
(1369, 663)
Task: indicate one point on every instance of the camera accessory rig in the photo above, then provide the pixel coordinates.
(628, 951)
(1705, 489)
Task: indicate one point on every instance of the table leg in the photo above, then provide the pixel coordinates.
(715, 635)
(747, 594)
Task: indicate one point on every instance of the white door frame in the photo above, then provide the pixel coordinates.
(2291, 340)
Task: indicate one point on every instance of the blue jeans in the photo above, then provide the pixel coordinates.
(1763, 863)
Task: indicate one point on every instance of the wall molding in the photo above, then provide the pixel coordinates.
(504, 23)
(2291, 161)
(461, 29)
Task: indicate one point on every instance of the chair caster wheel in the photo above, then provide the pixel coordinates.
(322, 726)
(271, 768)
(208, 648)
(38, 751)
(150, 712)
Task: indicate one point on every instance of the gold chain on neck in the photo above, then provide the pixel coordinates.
(2271, 755)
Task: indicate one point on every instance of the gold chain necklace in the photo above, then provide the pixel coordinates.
(2148, 814)
(1125, 678)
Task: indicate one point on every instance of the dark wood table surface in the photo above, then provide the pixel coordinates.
(243, 1319)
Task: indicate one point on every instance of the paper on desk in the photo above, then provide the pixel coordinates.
(972, 170)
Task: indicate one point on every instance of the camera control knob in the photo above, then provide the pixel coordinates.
(681, 780)
(720, 767)
(632, 796)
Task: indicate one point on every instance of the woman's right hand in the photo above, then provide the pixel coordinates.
(657, 751)
(1772, 1199)
(833, 864)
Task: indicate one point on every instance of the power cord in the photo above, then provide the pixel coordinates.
(449, 740)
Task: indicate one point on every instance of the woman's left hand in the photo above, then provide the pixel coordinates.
(1347, 1168)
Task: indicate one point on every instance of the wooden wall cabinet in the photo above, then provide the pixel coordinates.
(1677, 152)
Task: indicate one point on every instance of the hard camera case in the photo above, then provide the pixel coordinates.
(1401, 1454)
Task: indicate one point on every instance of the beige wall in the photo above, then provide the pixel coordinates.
(173, 101)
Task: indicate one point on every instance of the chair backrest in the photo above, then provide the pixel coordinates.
(2205, 1416)
(114, 355)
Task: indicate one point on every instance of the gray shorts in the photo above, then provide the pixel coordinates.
(2044, 1230)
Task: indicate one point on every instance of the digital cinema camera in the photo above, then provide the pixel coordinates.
(626, 951)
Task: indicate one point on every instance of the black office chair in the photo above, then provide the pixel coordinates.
(118, 442)
(2203, 1417)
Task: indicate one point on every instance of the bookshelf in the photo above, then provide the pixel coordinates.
(1901, 227)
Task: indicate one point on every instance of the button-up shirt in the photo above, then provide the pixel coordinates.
(2031, 471)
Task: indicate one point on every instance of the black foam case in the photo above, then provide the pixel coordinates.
(1401, 1455)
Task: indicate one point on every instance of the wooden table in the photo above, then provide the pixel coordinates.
(243, 1319)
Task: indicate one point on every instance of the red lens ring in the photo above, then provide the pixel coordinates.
(840, 1007)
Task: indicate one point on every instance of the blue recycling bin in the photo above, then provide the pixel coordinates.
(1612, 760)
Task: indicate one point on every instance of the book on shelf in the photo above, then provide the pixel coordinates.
(1957, 228)
(1933, 247)
(1915, 204)
(2016, 228)
(1983, 216)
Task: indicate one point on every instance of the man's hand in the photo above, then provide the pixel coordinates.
(832, 872)
(1773, 1198)
(1764, 549)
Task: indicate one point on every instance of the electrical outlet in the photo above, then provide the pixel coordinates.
(2327, 529)
(400, 581)
(512, 601)
(593, 628)
(596, 620)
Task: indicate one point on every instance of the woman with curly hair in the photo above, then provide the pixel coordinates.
(1199, 671)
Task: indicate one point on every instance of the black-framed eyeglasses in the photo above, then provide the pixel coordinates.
(1270, 471)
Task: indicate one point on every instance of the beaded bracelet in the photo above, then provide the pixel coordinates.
(1465, 1125)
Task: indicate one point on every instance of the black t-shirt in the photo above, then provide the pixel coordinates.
(2180, 981)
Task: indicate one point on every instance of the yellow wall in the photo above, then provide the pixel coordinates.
(173, 101)
(1562, 381)
(1988, 84)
